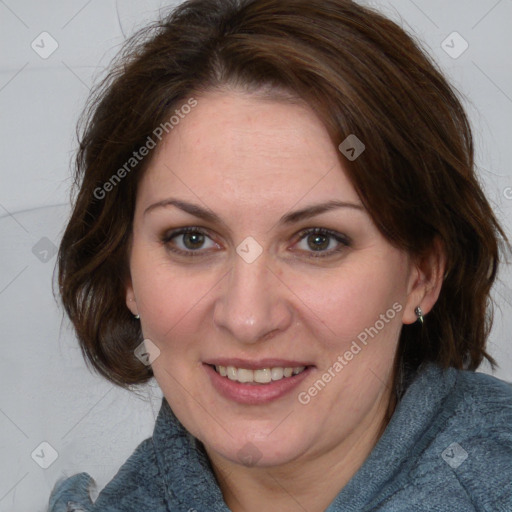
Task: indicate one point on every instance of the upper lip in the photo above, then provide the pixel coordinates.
(256, 364)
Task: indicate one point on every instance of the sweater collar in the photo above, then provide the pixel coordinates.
(416, 421)
(191, 484)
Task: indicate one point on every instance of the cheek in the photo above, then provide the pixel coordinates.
(167, 296)
(170, 305)
(348, 301)
(335, 305)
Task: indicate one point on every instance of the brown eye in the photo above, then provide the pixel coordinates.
(319, 240)
(193, 240)
(188, 241)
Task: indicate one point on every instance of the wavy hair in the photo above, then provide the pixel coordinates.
(362, 74)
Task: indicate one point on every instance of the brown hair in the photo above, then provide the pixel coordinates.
(363, 75)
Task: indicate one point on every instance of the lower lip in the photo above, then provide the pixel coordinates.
(254, 394)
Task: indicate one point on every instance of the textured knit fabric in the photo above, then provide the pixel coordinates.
(447, 448)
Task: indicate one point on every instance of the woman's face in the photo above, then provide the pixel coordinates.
(252, 289)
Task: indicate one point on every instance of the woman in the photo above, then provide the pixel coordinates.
(278, 218)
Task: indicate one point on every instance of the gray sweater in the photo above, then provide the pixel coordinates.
(448, 447)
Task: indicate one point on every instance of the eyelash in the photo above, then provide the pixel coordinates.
(342, 240)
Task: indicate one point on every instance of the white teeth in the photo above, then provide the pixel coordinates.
(245, 375)
(288, 372)
(231, 372)
(262, 376)
(277, 373)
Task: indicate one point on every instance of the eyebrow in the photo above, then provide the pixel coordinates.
(289, 218)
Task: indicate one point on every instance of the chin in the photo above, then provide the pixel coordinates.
(260, 449)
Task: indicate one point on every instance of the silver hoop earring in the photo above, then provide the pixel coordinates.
(419, 314)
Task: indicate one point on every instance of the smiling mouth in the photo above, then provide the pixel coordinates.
(260, 376)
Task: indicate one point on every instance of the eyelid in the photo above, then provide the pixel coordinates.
(341, 239)
(169, 235)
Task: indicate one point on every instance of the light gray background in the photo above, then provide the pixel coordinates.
(47, 394)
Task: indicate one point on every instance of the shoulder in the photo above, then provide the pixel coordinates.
(137, 483)
(472, 447)
(484, 385)
(482, 409)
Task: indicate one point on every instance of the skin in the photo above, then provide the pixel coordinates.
(251, 160)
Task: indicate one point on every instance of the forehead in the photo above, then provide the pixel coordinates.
(240, 147)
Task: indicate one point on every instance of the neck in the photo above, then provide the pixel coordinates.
(310, 482)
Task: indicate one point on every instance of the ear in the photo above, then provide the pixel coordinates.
(130, 297)
(425, 281)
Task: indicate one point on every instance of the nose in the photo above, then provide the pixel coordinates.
(252, 305)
